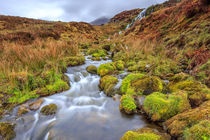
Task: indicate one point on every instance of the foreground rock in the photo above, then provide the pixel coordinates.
(23, 109)
(49, 109)
(107, 84)
(36, 105)
(7, 131)
(127, 104)
(92, 69)
(160, 106)
(145, 134)
(178, 124)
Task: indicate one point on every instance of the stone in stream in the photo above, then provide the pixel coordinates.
(49, 109)
(7, 131)
(23, 109)
(92, 69)
(36, 105)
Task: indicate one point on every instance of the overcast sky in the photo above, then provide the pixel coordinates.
(70, 10)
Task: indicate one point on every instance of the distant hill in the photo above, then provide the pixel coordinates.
(100, 21)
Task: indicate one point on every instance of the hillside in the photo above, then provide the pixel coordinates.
(159, 66)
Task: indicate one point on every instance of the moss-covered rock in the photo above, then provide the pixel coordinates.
(160, 106)
(107, 84)
(127, 104)
(179, 123)
(7, 130)
(197, 93)
(97, 52)
(106, 69)
(133, 68)
(145, 134)
(126, 83)
(92, 69)
(120, 65)
(58, 86)
(49, 109)
(147, 85)
(200, 131)
(75, 60)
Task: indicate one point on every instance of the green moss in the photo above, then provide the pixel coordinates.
(49, 109)
(177, 124)
(147, 84)
(127, 104)
(58, 86)
(7, 130)
(145, 134)
(200, 131)
(92, 69)
(107, 84)
(161, 107)
(74, 61)
(126, 83)
(133, 68)
(105, 69)
(119, 65)
(97, 52)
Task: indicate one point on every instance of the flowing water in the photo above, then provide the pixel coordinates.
(84, 113)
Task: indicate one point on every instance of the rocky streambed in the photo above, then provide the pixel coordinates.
(82, 112)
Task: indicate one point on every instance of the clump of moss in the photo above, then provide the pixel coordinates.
(107, 84)
(92, 69)
(200, 131)
(120, 65)
(127, 104)
(162, 107)
(133, 68)
(74, 60)
(126, 83)
(196, 91)
(49, 109)
(97, 52)
(145, 134)
(7, 130)
(177, 124)
(147, 84)
(105, 69)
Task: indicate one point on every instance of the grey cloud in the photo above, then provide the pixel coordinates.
(68, 10)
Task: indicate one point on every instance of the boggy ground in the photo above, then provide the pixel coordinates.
(166, 54)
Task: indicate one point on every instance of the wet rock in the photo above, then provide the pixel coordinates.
(92, 69)
(36, 105)
(7, 130)
(107, 84)
(145, 134)
(49, 109)
(23, 109)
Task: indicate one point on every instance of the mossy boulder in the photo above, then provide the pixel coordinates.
(147, 85)
(7, 130)
(97, 52)
(92, 69)
(160, 106)
(200, 131)
(127, 104)
(179, 123)
(75, 60)
(138, 84)
(107, 84)
(106, 69)
(197, 93)
(49, 109)
(145, 134)
(126, 83)
(120, 65)
(133, 68)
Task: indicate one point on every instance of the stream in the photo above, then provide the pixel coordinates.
(84, 112)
